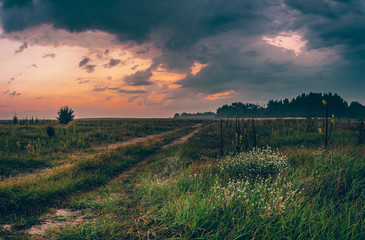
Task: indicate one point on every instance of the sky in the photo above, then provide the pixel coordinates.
(143, 58)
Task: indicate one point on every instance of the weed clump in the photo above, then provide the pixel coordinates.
(271, 196)
(262, 162)
(50, 132)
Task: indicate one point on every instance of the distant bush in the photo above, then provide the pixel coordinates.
(50, 131)
(65, 115)
(15, 119)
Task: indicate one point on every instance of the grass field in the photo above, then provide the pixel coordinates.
(290, 187)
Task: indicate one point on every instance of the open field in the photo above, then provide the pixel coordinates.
(124, 179)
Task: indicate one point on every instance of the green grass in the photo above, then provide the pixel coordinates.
(185, 195)
(295, 190)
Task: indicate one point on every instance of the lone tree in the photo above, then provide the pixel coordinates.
(15, 119)
(65, 115)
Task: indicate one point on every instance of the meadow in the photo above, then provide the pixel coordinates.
(274, 180)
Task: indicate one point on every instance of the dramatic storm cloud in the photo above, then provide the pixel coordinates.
(214, 50)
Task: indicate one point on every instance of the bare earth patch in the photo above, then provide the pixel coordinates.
(184, 138)
(60, 218)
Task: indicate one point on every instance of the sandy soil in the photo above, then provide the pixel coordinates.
(60, 218)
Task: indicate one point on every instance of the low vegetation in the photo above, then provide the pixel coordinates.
(290, 186)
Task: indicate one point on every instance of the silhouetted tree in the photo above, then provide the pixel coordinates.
(304, 105)
(356, 110)
(15, 119)
(65, 115)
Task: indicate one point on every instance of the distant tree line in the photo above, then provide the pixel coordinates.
(196, 115)
(305, 105)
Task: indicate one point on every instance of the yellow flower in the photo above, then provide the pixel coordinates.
(320, 130)
(324, 102)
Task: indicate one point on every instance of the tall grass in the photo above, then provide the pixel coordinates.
(321, 200)
(189, 192)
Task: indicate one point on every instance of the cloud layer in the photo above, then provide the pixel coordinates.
(232, 39)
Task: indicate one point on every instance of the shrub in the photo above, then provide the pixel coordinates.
(15, 119)
(50, 131)
(65, 115)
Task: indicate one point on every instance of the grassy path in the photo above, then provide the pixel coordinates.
(71, 159)
(61, 217)
(27, 198)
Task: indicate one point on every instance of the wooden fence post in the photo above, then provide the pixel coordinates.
(221, 137)
(254, 133)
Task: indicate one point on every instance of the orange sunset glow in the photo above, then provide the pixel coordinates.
(219, 95)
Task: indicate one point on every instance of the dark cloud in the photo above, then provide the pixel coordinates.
(179, 24)
(34, 65)
(225, 35)
(88, 67)
(131, 99)
(99, 88)
(12, 94)
(22, 48)
(251, 53)
(12, 79)
(139, 78)
(49, 55)
(143, 51)
(332, 23)
(113, 88)
(132, 91)
(231, 69)
(84, 81)
(84, 61)
(112, 62)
